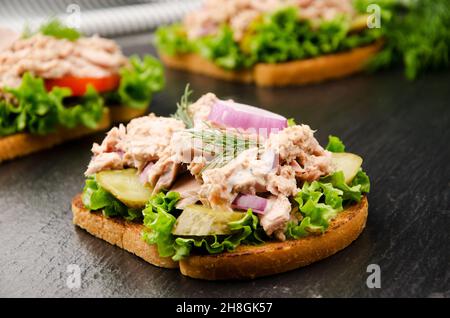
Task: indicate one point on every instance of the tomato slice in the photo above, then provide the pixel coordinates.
(78, 85)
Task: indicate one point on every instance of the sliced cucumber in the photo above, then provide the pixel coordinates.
(125, 186)
(348, 163)
(198, 220)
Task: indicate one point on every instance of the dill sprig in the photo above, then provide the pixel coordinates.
(224, 146)
(182, 108)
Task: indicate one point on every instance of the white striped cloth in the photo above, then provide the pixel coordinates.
(103, 17)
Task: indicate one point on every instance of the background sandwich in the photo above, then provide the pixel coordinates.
(277, 43)
(54, 84)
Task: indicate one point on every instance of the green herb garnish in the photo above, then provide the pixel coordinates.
(182, 112)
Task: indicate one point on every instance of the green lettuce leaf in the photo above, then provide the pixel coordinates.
(37, 111)
(140, 81)
(321, 201)
(276, 38)
(291, 122)
(87, 113)
(350, 193)
(159, 220)
(335, 144)
(96, 198)
(223, 50)
(173, 40)
(55, 28)
(361, 179)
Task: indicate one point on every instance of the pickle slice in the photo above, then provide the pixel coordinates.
(125, 186)
(348, 163)
(359, 23)
(198, 220)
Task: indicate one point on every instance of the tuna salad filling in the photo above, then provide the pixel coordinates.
(202, 182)
(57, 77)
(236, 34)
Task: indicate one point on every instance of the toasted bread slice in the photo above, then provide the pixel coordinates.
(246, 261)
(21, 144)
(116, 231)
(298, 72)
(123, 114)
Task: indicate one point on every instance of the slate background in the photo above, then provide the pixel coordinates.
(401, 128)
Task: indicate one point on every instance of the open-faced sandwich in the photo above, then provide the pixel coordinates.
(287, 42)
(271, 42)
(223, 190)
(55, 84)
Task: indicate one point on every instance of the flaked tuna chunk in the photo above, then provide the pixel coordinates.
(105, 161)
(49, 57)
(276, 216)
(143, 140)
(147, 138)
(282, 182)
(297, 146)
(109, 144)
(187, 186)
(313, 167)
(166, 180)
(158, 169)
(107, 155)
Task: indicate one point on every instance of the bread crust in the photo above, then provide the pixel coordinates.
(298, 72)
(123, 114)
(246, 262)
(21, 144)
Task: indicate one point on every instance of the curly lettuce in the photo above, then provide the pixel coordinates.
(335, 144)
(321, 201)
(33, 109)
(281, 36)
(159, 221)
(96, 198)
(173, 40)
(223, 50)
(139, 82)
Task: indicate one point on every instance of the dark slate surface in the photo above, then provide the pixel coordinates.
(401, 129)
